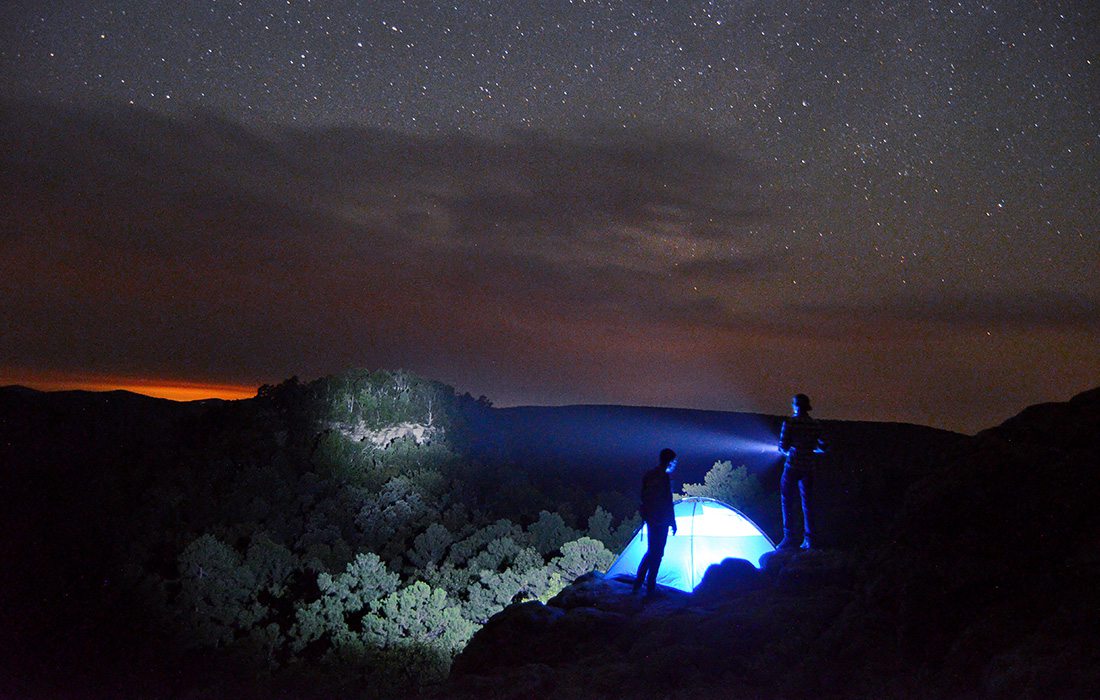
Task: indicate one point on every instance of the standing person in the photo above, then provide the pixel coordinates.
(800, 441)
(656, 510)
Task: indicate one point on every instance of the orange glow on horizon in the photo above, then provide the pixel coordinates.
(172, 389)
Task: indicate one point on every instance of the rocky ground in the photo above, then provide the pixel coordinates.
(598, 639)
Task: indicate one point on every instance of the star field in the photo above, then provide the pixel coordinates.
(919, 176)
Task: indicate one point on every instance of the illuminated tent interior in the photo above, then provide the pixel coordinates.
(708, 531)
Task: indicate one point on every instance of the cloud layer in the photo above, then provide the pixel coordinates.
(531, 267)
(350, 234)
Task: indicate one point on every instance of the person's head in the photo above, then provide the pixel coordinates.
(800, 403)
(668, 459)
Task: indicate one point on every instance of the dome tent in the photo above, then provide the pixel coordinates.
(708, 531)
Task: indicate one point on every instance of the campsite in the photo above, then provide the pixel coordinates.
(248, 549)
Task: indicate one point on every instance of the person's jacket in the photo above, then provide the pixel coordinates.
(656, 506)
(800, 437)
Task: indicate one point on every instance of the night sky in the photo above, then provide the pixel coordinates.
(890, 206)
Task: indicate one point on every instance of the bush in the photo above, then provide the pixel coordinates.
(581, 556)
(737, 487)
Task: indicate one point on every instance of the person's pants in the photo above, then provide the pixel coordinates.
(647, 570)
(804, 481)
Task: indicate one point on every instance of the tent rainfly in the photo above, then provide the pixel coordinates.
(708, 531)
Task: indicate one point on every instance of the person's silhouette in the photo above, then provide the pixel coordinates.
(656, 510)
(800, 441)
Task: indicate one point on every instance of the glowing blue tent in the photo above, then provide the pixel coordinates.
(707, 531)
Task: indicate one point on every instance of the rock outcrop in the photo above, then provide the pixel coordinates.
(383, 437)
(598, 639)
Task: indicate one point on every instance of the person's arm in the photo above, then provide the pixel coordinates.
(671, 507)
(784, 440)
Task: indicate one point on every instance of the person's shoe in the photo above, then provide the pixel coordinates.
(786, 542)
(807, 543)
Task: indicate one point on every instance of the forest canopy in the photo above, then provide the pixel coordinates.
(340, 524)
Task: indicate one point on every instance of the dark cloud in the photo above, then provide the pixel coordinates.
(529, 267)
(1022, 310)
(135, 240)
(728, 267)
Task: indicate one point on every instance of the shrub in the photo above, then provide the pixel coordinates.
(737, 487)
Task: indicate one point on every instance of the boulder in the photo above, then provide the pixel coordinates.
(504, 640)
(728, 577)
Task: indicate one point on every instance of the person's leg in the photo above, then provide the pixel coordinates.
(657, 539)
(644, 566)
(806, 488)
(642, 569)
(786, 497)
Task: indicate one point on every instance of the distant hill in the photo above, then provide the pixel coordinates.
(618, 442)
(596, 448)
(608, 447)
(591, 449)
(602, 446)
